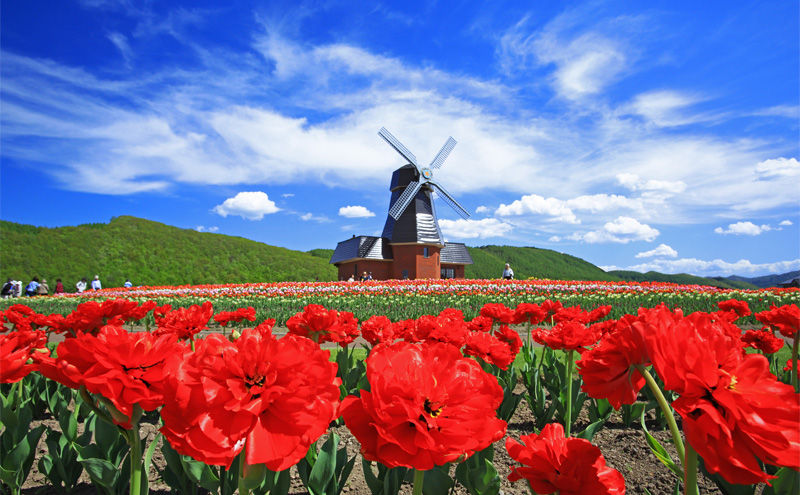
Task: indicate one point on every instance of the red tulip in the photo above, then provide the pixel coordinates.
(185, 323)
(272, 397)
(17, 348)
(125, 368)
(427, 406)
(569, 466)
(762, 340)
(225, 317)
(734, 410)
(377, 329)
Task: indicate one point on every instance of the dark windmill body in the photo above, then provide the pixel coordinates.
(411, 245)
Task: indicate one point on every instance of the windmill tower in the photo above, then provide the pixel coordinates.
(411, 245)
(412, 214)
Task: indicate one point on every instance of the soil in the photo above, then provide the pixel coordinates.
(624, 448)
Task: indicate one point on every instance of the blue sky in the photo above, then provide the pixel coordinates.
(648, 136)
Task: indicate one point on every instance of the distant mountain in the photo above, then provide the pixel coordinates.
(681, 278)
(766, 280)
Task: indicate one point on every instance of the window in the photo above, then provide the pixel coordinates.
(405, 273)
(425, 252)
(448, 273)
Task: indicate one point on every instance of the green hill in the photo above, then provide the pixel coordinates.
(149, 253)
(681, 278)
(529, 262)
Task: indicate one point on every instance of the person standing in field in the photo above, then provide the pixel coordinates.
(508, 273)
(81, 285)
(32, 287)
(8, 289)
(127, 283)
(43, 288)
(96, 283)
(59, 287)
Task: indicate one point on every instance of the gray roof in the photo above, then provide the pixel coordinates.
(456, 253)
(364, 246)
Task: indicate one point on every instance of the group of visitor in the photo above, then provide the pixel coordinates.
(14, 288)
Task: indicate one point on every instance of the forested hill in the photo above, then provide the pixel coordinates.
(530, 262)
(149, 253)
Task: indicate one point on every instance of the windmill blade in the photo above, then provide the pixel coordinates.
(444, 153)
(450, 200)
(398, 146)
(403, 201)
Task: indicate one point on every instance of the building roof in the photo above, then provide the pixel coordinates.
(455, 253)
(362, 247)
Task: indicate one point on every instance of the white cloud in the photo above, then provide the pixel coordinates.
(743, 228)
(470, 229)
(250, 205)
(482, 209)
(786, 223)
(778, 168)
(622, 230)
(635, 183)
(584, 63)
(661, 251)
(663, 108)
(287, 195)
(355, 212)
(121, 42)
(713, 267)
(201, 228)
(534, 204)
(310, 216)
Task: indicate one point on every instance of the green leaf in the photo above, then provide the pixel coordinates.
(254, 475)
(787, 483)
(437, 480)
(322, 472)
(590, 430)
(101, 472)
(346, 470)
(659, 451)
(200, 473)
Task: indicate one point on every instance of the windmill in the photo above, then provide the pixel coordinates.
(412, 215)
(412, 245)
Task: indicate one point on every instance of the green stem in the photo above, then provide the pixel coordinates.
(419, 479)
(89, 400)
(690, 472)
(19, 386)
(243, 490)
(136, 459)
(793, 371)
(667, 410)
(568, 377)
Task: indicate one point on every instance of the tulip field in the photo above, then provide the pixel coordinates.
(436, 387)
